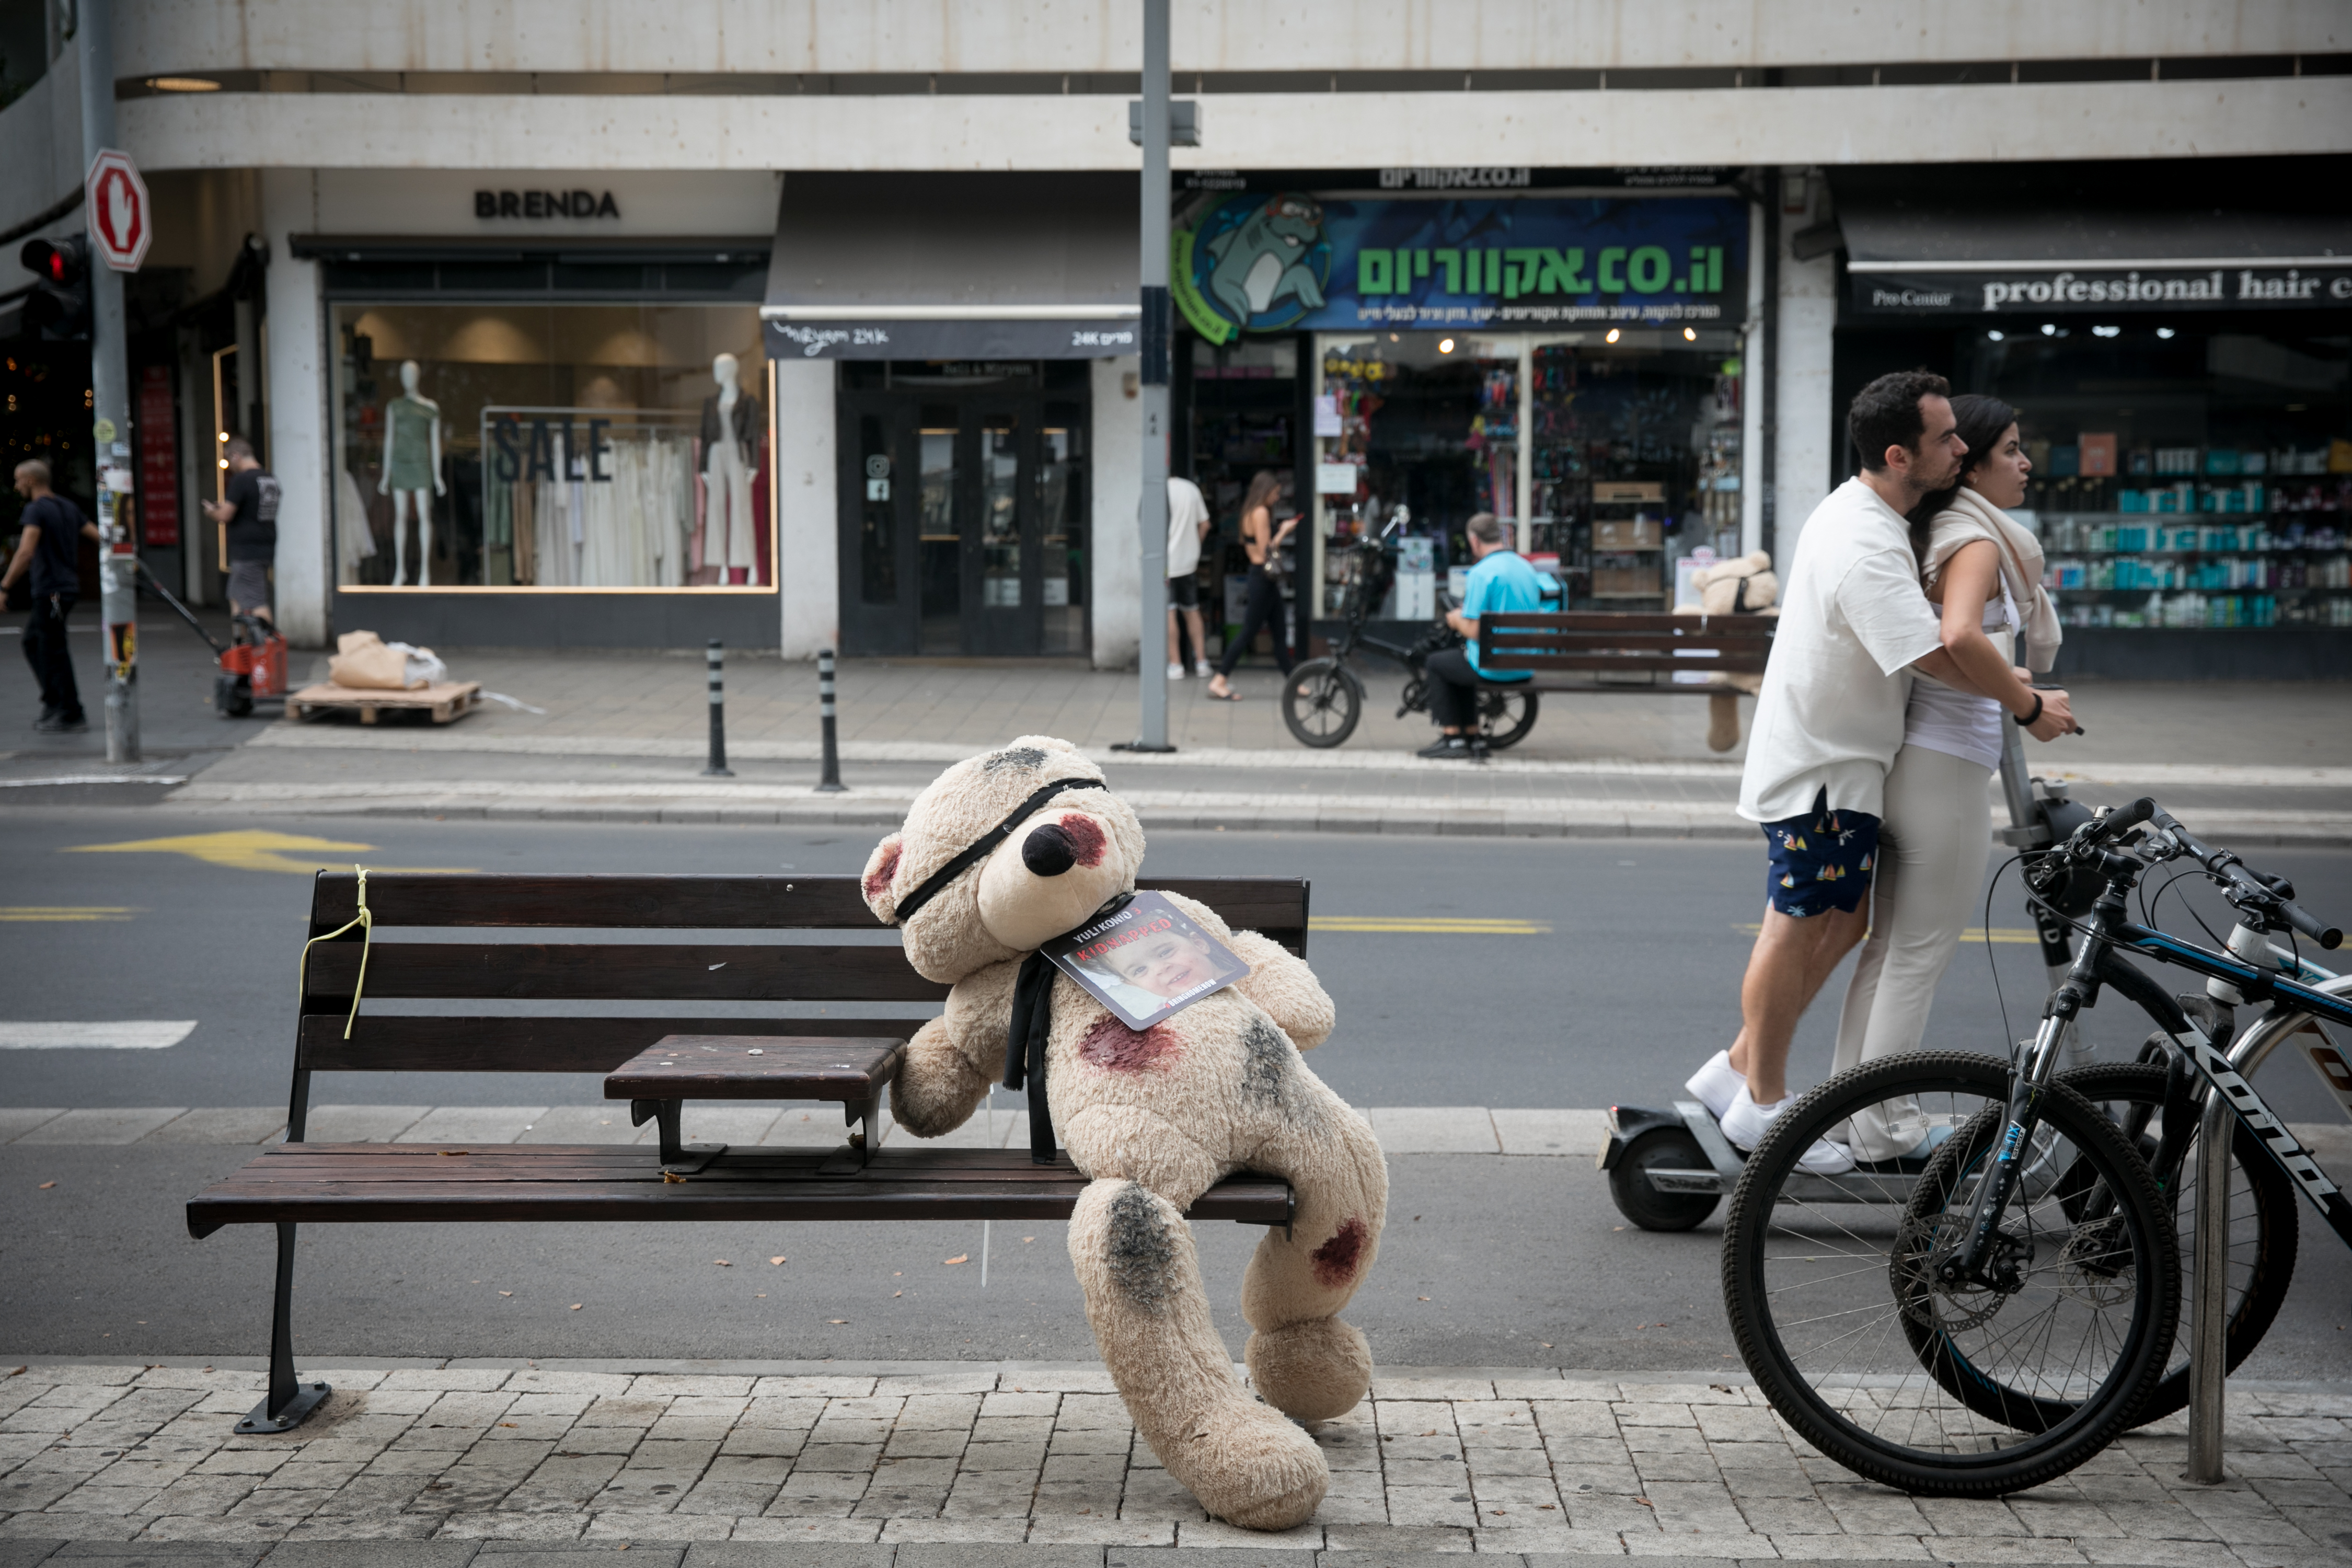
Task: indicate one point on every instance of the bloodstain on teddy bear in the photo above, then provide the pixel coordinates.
(1154, 1119)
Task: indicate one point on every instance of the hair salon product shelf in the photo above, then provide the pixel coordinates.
(2138, 569)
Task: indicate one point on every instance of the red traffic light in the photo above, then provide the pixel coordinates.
(60, 261)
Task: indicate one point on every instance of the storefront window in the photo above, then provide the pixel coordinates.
(1625, 444)
(2181, 478)
(518, 446)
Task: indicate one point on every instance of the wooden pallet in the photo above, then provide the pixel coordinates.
(448, 702)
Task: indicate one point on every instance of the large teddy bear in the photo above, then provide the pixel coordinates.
(1006, 851)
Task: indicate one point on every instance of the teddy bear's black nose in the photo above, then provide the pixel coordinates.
(1048, 850)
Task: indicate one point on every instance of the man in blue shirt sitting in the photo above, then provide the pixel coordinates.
(1502, 583)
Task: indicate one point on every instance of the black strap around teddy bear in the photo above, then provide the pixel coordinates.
(1032, 993)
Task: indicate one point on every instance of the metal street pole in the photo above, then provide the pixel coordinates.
(1153, 658)
(109, 386)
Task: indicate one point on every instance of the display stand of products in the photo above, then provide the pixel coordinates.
(1636, 457)
(2195, 537)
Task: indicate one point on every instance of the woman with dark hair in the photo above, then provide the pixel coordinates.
(1983, 568)
(1265, 540)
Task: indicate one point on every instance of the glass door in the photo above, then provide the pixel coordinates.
(1004, 555)
(879, 560)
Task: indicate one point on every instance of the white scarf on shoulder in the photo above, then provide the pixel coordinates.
(1968, 518)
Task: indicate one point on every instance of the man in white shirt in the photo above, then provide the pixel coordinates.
(1188, 525)
(1855, 623)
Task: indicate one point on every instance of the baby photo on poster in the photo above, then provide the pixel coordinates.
(1145, 961)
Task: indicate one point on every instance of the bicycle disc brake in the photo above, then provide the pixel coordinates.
(1921, 1246)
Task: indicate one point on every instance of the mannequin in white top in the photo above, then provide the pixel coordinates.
(1983, 571)
(730, 426)
(411, 470)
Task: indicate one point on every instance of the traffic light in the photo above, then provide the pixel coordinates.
(59, 306)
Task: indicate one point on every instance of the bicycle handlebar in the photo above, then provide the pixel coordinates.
(2245, 888)
(2120, 821)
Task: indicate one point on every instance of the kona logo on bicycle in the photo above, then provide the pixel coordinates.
(2271, 1130)
(2009, 1144)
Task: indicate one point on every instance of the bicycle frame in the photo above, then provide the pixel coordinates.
(2096, 963)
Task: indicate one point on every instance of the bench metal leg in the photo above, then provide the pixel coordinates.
(863, 1116)
(290, 1401)
(678, 1158)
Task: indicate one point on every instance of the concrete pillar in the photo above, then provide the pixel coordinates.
(1116, 483)
(299, 449)
(1808, 442)
(808, 507)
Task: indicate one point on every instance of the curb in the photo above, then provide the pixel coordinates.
(1169, 811)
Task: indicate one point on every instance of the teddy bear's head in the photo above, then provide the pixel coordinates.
(1001, 852)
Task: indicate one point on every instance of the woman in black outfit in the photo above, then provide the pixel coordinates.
(1265, 542)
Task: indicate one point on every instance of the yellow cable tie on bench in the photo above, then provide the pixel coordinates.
(365, 921)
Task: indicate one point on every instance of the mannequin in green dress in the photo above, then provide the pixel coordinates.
(411, 467)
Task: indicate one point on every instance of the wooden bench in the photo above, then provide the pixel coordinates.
(1604, 650)
(438, 958)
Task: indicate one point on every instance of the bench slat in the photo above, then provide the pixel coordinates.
(408, 1182)
(1620, 622)
(1629, 664)
(719, 903)
(613, 972)
(382, 1043)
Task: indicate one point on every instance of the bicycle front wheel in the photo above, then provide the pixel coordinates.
(1321, 704)
(1832, 1290)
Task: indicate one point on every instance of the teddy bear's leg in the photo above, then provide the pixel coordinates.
(1307, 1363)
(1136, 1263)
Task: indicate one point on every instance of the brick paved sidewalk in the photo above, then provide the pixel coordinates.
(836, 1457)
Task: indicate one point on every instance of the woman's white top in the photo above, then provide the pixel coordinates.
(1945, 718)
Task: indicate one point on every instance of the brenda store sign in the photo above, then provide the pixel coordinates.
(1993, 288)
(1288, 262)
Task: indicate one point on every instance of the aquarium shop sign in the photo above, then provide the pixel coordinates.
(1290, 262)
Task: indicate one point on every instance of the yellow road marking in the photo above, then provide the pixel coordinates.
(1428, 925)
(50, 914)
(257, 849)
(1973, 933)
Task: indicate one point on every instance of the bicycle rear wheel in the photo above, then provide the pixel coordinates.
(1831, 1289)
(2264, 1224)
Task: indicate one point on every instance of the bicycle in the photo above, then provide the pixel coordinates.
(2032, 1270)
(1323, 700)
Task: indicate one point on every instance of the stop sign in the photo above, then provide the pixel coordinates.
(120, 213)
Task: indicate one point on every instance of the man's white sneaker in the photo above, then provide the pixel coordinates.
(1745, 1123)
(1175, 672)
(1204, 669)
(1715, 1084)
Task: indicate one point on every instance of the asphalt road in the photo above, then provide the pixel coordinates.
(1633, 982)
(1485, 1261)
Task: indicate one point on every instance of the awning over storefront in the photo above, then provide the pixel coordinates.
(1926, 259)
(996, 267)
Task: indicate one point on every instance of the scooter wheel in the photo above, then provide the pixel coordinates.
(232, 695)
(1667, 1149)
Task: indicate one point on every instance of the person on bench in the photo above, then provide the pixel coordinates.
(1501, 582)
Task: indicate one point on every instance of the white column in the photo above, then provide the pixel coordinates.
(1756, 358)
(1116, 483)
(1808, 435)
(299, 449)
(808, 508)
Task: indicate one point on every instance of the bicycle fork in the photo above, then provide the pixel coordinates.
(1966, 1265)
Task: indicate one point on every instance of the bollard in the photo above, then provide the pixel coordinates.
(831, 783)
(718, 768)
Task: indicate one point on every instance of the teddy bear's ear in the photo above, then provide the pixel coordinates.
(881, 871)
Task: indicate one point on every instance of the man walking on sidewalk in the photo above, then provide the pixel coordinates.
(250, 511)
(1855, 623)
(50, 549)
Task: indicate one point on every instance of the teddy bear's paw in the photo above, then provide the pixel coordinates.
(1313, 1369)
(1252, 1466)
